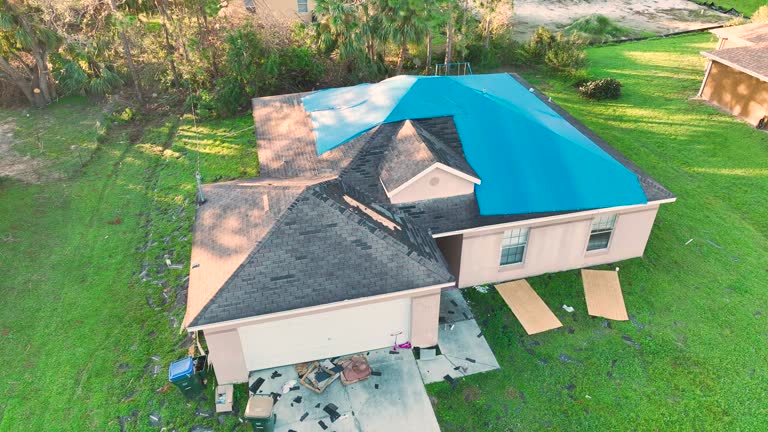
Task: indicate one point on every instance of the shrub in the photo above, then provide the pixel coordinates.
(596, 28)
(254, 69)
(607, 88)
(124, 116)
(561, 53)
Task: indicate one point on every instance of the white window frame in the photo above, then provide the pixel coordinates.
(600, 225)
(300, 3)
(513, 238)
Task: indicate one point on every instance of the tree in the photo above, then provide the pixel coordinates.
(25, 45)
(337, 29)
(495, 14)
(121, 22)
(162, 7)
(450, 17)
(405, 21)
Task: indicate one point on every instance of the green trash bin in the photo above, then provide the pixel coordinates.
(183, 375)
(259, 413)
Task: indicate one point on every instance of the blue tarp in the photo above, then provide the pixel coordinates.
(529, 159)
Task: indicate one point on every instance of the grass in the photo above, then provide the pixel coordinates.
(89, 308)
(596, 28)
(81, 320)
(745, 7)
(39, 134)
(699, 309)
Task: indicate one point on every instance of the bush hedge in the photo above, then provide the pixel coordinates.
(607, 88)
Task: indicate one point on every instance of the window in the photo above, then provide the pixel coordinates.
(513, 246)
(602, 229)
(303, 7)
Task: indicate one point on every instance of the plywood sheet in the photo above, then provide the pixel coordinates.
(528, 307)
(603, 293)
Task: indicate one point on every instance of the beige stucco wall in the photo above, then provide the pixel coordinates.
(553, 247)
(738, 93)
(425, 315)
(286, 8)
(225, 353)
(237, 349)
(438, 183)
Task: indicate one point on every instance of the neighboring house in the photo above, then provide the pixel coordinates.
(280, 9)
(373, 199)
(736, 78)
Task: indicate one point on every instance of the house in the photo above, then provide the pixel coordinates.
(278, 9)
(373, 199)
(736, 78)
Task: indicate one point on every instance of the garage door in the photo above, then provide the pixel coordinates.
(324, 335)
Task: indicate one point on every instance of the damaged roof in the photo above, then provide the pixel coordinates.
(328, 245)
(319, 229)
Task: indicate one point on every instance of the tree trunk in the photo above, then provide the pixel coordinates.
(449, 35)
(369, 44)
(205, 37)
(428, 69)
(401, 57)
(24, 85)
(169, 48)
(43, 77)
(126, 44)
(487, 32)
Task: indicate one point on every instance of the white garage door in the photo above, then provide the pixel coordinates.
(324, 335)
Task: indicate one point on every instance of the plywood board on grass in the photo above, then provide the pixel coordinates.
(602, 291)
(528, 307)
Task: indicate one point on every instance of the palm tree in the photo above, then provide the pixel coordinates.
(405, 21)
(337, 28)
(24, 37)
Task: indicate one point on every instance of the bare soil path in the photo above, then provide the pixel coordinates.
(642, 16)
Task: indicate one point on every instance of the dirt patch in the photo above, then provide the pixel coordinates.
(12, 164)
(471, 394)
(641, 16)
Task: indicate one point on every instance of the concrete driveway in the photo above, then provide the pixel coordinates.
(395, 400)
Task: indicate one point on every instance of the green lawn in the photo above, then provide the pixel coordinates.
(79, 325)
(701, 309)
(81, 322)
(745, 7)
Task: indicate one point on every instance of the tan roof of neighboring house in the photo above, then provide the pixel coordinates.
(752, 33)
(752, 60)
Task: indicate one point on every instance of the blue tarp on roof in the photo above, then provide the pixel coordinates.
(529, 159)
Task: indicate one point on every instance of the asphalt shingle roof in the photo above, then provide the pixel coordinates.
(324, 249)
(319, 229)
(752, 60)
(411, 151)
(753, 33)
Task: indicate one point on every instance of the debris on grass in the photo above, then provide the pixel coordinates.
(115, 221)
(714, 244)
(483, 289)
(568, 309)
(630, 341)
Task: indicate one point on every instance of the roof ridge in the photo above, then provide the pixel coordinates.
(444, 152)
(279, 220)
